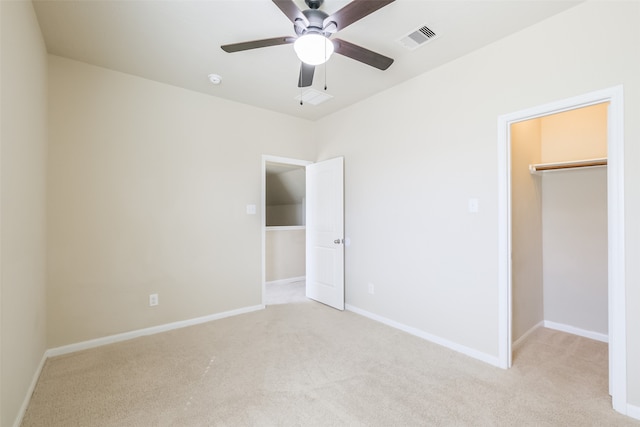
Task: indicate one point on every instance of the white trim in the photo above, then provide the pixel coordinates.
(30, 390)
(616, 249)
(563, 328)
(467, 351)
(84, 345)
(633, 411)
(263, 202)
(286, 281)
(616, 253)
(505, 351)
(285, 160)
(576, 331)
(517, 343)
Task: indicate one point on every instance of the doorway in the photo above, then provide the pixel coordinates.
(615, 231)
(283, 230)
(322, 210)
(559, 223)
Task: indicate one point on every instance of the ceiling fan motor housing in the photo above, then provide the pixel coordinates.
(316, 25)
(314, 4)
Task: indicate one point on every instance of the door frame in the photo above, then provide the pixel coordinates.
(263, 203)
(616, 245)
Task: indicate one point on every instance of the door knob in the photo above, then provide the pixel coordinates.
(337, 241)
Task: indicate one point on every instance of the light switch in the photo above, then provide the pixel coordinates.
(251, 209)
(473, 205)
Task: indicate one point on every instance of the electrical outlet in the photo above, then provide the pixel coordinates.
(371, 288)
(153, 300)
(473, 205)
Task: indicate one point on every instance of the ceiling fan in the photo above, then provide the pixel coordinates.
(314, 29)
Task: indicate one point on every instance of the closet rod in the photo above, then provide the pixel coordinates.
(541, 167)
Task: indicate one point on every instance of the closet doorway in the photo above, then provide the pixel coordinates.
(283, 230)
(522, 308)
(559, 223)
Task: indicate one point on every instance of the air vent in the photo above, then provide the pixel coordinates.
(313, 97)
(418, 38)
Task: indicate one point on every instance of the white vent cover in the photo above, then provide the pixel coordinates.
(418, 38)
(313, 97)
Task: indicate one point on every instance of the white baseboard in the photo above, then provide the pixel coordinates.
(30, 390)
(524, 336)
(147, 331)
(286, 281)
(58, 351)
(633, 411)
(576, 331)
(487, 358)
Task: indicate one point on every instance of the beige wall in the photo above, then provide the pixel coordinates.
(23, 142)
(413, 165)
(575, 248)
(526, 229)
(285, 215)
(575, 220)
(284, 253)
(285, 193)
(148, 191)
(575, 135)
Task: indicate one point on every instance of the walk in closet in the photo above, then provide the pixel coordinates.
(559, 223)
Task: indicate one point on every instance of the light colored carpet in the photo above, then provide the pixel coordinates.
(308, 365)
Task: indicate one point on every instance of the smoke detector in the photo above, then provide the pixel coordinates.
(215, 79)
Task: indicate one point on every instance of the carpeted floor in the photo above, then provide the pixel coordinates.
(305, 364)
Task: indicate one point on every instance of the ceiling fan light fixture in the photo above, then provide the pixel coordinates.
(313, 48)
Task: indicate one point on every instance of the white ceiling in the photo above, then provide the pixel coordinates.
(178, 42)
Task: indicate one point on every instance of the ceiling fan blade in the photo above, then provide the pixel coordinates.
(361, 54)
(306, 75)
(289, 8)
(255, 44)
(355, 11)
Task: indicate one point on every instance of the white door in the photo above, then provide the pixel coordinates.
(325, 232)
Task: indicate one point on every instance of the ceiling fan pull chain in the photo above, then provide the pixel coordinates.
(325, 63)
(325, 76)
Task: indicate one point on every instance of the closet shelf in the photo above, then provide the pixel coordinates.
(574, 164)
(284, 227)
